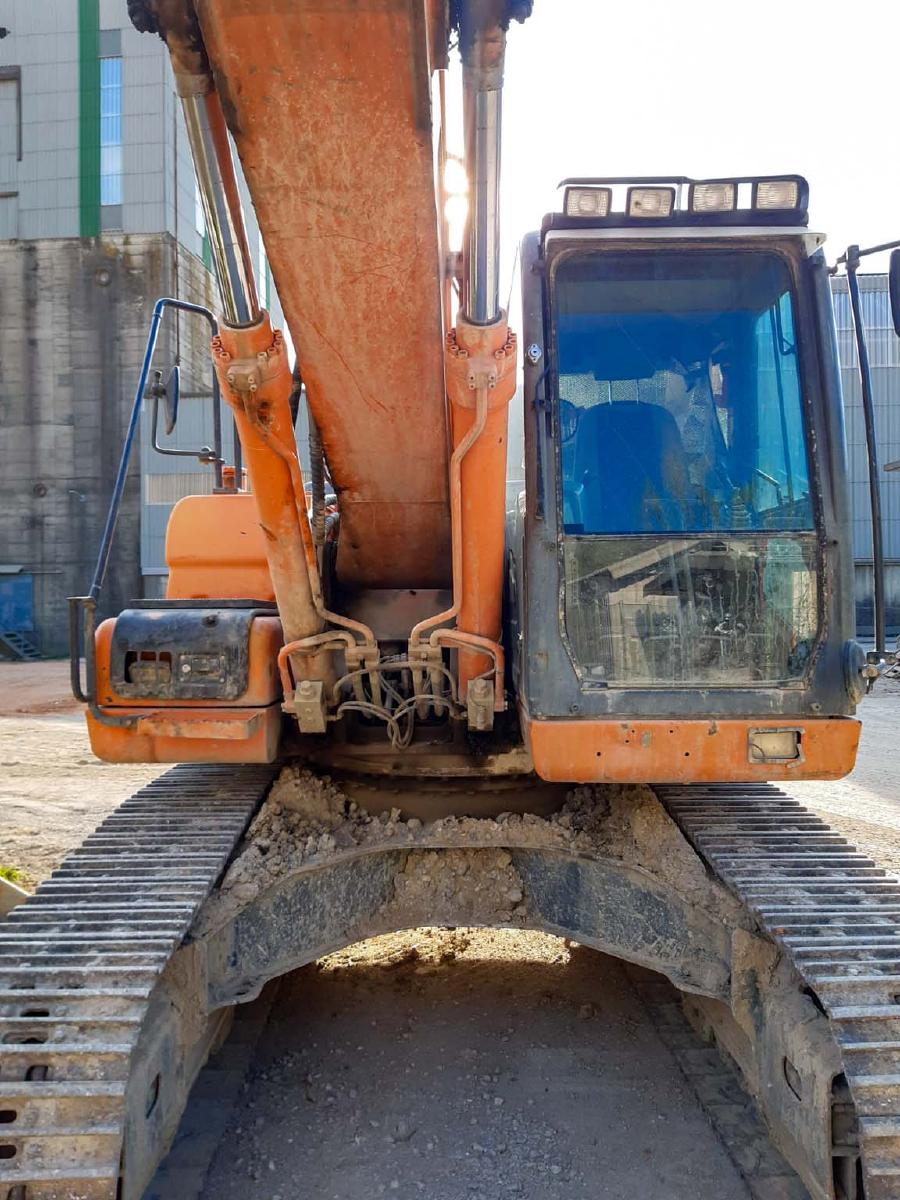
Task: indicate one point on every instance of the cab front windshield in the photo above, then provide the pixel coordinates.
(687, 511)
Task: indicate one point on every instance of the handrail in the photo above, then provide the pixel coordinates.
(85, 607)
(112, 515)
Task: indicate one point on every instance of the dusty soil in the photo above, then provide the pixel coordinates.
(53, 792)
(467, 1066)
(41, 687)
(308, 819)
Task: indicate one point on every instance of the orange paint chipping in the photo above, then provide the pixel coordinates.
(677, 751)
(255, 379)
(233, 735)
(347, 209)
(480, 358)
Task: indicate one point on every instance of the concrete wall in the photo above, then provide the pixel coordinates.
(75, 309)
(73, 316)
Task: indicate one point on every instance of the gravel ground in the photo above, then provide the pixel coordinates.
(467, 1065)
(53, 792)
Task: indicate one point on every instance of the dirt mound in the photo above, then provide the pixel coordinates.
(307, 819)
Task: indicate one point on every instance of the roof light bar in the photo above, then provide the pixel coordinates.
(777, 200)
(650, 201)
(587, 202)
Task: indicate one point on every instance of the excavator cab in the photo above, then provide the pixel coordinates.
(680, 573)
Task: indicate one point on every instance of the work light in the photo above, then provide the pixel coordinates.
(776, 193)
(713, 197)
(650, 201)
(587, 202)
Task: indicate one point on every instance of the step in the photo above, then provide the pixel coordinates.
(105, 960)
(66, 1002)
(68, 1149)
(35, 977)
(880, 1127)
(875, 1095)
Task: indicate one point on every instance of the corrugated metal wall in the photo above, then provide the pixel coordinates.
(884, 355)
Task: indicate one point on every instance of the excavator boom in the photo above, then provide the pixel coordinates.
(351, 230)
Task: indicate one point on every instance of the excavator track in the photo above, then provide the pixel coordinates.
(837, 915)
(78, 964)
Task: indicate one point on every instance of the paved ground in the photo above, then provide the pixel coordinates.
(865, 807)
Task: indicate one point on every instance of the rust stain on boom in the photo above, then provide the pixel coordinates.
(329, 105)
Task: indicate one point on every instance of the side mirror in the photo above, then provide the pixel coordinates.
(894, 287)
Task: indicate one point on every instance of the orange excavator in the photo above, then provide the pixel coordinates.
(668, 604)
(400, 615)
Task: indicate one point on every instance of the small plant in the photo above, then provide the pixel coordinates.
(11, 874)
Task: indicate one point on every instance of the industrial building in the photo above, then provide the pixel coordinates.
(884, 356)
(99, 216)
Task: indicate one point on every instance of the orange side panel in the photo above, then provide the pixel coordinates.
(215, 548)
(330, 108)
(235, 735)
(684, 751)
(263, 680)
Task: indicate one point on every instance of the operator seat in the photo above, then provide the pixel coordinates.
(630, 471)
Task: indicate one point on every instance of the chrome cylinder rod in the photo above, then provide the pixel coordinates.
(483, 49)
(220, 198)
(482, 111)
